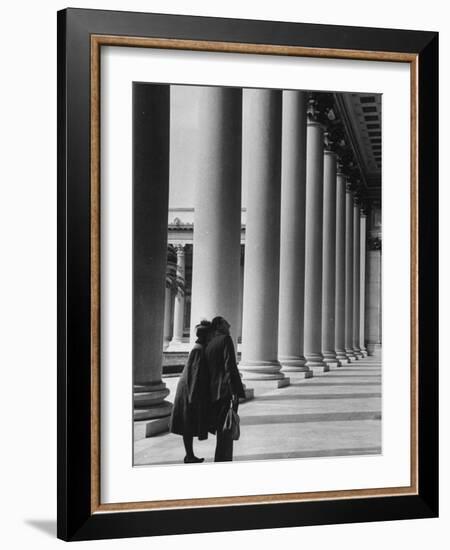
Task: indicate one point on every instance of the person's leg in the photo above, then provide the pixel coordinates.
(188, 441)
(224, 444)
(224, 447)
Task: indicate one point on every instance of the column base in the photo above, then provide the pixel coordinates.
(330, 359)
(300, 375)
(320, 368)
(358, 353)
(364, 352)
(374, 350)
(293, 364)
(151, 409)
(315, 362)
(262, 386)
(150, 428)
(264, 370)
(342, 358)
(350, 355)
(178, 345)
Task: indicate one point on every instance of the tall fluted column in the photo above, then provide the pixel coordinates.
(150, 204)
(362, 294)
(356, 277)
(217, 218)
(261, 173)
(292, 241)
(241, 295)
(373, 288)
(373, 300)
(329, 259)
(178, 310)
(340, 268)
(349, 274)
(313, 247)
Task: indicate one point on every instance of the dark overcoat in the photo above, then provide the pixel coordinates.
(224, 378)
(191, 406)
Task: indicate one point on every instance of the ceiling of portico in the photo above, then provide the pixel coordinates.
(362, 118)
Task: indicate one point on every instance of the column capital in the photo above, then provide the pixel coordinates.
(320, 108)
(180, 248)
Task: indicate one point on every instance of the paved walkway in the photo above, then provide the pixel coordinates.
(332, 414)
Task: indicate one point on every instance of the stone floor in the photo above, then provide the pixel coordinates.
(335, 413)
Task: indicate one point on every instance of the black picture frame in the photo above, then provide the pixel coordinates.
(76, 476)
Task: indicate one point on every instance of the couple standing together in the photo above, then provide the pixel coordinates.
(209, 384)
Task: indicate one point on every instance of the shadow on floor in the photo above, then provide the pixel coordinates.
(308, 396)
(309, 384)
(47, 526)
(309, 417)
(317, 453)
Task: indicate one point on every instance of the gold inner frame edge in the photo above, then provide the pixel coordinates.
(263, 49)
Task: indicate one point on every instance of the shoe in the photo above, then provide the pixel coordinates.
(192, 460)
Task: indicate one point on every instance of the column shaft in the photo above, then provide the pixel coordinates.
(340, 269)
(362, 308)
(373, 302)
(150, 204)
(178, 310)
(329, 259)
(356, 278)
(167, 317)
(349, 275)
(292, 241)
(217, 221)
(261, 173)
(313, 247)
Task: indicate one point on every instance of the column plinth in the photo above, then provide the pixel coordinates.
(313, 248)
(151, 121)
(261, 173)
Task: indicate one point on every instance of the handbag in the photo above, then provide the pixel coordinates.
(232, 423)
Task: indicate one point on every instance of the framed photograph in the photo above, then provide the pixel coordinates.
(247, 271)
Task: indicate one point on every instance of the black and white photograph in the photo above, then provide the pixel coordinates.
(223, 288)
(257, 274)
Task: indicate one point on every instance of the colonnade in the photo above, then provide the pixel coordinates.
(304, 277)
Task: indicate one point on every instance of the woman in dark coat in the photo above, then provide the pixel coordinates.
(190, 412)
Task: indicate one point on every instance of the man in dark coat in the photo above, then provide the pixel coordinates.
(225, 385)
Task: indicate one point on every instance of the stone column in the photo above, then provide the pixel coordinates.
(362, 308)
(313, 248)
(292, 241)
(150, 204)
(349, 274)
(241, 295)
(261, 173)
(167, 318)
(356, 277)
(373, 287)
(176, 343)
(329, 260)
(217, 219)
(340, 268)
